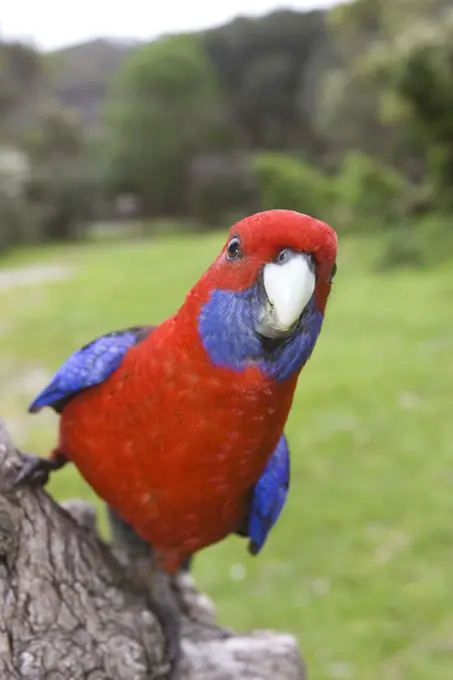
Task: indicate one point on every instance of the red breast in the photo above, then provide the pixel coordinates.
(175, 445)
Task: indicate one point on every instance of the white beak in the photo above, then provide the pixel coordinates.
(289, 287)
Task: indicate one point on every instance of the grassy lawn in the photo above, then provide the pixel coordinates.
(360, 564)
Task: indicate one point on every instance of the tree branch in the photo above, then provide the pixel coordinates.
(71, 608)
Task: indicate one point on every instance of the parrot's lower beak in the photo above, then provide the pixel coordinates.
(288, 286)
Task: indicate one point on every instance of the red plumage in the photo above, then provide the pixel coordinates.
(164, 447)
(173, 443)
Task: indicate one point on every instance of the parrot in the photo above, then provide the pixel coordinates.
(179, 427)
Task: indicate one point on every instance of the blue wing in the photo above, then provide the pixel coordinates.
(269, 496)
(88, 366)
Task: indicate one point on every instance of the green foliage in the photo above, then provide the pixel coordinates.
(17, 225)
(221, 186)
(62, 188)
(286, 182)
(369, 194)
(263, 65)
(63, 202)
(359, 565)
(426, 241)
(56, 194)
(423, 79)
(163, 110)
(17, 222)
(57, 135)
(391, 93)
(361, 93)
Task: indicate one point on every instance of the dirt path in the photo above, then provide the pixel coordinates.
(27, 276)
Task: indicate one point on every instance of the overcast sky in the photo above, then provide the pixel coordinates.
(53, 23)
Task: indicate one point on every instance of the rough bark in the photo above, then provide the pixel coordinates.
(70, 609)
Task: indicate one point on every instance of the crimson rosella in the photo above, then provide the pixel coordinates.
(179, 427)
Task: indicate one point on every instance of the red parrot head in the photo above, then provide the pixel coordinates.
(263, 299)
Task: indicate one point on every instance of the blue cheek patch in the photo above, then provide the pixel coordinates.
(227, 325)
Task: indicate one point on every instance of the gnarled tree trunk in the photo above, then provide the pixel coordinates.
(69, 609)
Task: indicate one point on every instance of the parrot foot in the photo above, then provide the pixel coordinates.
(169, 623)
(36, 470)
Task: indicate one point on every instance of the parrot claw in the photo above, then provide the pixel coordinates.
(171, 631)
(35, 471)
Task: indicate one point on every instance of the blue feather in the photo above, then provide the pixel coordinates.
(88, 366)
(269, 497)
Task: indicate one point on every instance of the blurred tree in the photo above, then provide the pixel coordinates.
(262, 65)
(365, 102)
(369, 195)
(16, 223)
(222, 187)
(423, 81)
(371, 78)
(58, 137)
(348, 110)
(62, 189)
(21, 73)
(164, 109)
(287, 182)
(20, 78)
(292, 46)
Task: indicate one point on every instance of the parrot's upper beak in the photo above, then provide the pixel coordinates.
(288, 285)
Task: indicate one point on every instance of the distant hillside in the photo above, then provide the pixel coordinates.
(81, 73)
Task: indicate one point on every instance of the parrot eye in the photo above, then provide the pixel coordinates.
(284, 255)
(234, 248)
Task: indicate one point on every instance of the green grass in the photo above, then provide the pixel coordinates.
(360, 564)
